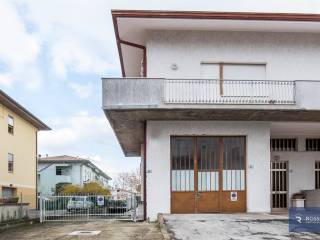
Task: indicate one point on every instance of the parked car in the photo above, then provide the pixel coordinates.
(79, 203)
(117, 206)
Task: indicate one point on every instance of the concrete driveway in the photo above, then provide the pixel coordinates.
(111, 230)
(231, 226)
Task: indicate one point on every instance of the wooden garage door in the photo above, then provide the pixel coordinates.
(208, 174)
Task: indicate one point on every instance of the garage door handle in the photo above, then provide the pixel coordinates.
(198, 195)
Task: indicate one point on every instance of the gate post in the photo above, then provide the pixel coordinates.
(40, 201)
(88, 207)
(134, 205)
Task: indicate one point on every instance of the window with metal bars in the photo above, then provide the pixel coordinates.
(10, 162)
(313, 144)
(182, 164)
(10, 124)
(283, 144)
(317, 174)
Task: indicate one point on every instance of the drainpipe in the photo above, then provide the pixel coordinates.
(145, 172)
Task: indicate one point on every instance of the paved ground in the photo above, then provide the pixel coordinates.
(231, 226)
(110, 230)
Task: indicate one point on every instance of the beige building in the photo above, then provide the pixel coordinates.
(18, 150)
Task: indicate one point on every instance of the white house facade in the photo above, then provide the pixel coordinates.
(223, 108)
(54, 171)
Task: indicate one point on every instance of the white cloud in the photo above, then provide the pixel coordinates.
(95, 158)
(66, 37)
(19, 50)
(17, 45)
(76, 34)
(5, 79)
(75, 133)
(69, 55)
(82, 90)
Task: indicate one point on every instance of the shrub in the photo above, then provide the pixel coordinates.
(92, 188)
(9, 200)
(71, 189)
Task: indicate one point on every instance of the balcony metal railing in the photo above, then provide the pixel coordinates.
(202, 91)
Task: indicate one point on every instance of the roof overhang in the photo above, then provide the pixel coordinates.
(11, 104)
(70, 162)
(128, 125)
(130, 28)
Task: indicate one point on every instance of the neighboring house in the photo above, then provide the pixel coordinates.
(223, 108)
(120, 194)
(18, 151)
(59, 170)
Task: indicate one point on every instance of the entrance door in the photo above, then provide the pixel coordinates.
(208, 174)
(279, 186)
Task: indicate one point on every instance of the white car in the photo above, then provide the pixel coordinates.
(79, 203)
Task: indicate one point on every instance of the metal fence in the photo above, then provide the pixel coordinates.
(87, 207)
(212, 91)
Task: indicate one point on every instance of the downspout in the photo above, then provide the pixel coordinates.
(145, 172)
(37, 203)
(136, 46)
(120, 41)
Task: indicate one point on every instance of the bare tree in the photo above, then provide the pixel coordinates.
(129, 181)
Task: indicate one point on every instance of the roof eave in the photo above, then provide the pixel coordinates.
(217, 15)
(83, 161)
(116, 13)
(14, 106)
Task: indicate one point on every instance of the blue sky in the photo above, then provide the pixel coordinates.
(54, 53)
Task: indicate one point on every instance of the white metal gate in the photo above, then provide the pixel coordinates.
(86, 208)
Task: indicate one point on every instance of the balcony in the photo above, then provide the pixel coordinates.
(63, 179)
(182, 93)
(129, 102)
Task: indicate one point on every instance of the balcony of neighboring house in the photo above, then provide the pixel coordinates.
(129, 102)
(63, 172)
(63, 179)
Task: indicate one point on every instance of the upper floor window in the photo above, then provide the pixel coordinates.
(317, 175)
(233, 71)
(10, 162)
(59, 171)
(283, 144)
(10, 124)
(313, 144)
(229, 75)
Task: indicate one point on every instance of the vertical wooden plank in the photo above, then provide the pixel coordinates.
(317, 175)
(189, 168)
(195, 163)
(281, 189)
(185, 171)
(278, 199)
(220, 166)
